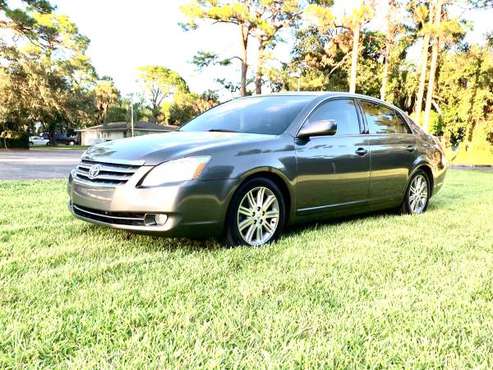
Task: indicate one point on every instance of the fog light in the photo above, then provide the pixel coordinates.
(160, 219)
(155, 219)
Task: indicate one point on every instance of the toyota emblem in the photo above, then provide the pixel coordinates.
(94, 171)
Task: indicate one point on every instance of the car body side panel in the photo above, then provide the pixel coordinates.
(330, 173)
(392, 159)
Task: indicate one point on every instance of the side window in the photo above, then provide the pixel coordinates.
(383, 120)
(343, 111)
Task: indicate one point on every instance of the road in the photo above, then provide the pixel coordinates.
(37, 164)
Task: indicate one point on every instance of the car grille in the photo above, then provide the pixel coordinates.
(120, 218)
(109, 173)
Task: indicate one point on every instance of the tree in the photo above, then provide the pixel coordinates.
(425, 16)
(160, 83)
(465, 87)
(203, 59)
(262, 19)
(341, 33)
(237, 13)
(446, 31)
(21, 22)
(437, 18)
(185, 106)
(272, 16)
(106, 95)
(392, 30)
(49, 78)
(359, 16)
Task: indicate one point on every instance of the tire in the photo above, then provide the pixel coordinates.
(71, 143)
(417, 195)
(252, 225)
(31, 144)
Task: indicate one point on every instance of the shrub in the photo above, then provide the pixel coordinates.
(480, 150)
(14, 139)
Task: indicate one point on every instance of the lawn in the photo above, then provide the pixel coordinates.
(51, 148)
(375, 291)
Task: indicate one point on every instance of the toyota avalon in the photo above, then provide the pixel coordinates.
(248, 168)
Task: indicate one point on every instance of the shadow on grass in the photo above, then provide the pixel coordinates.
(150, 242)
(335, 221)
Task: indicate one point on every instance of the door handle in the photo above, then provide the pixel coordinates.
(361, 152)
(410, 148)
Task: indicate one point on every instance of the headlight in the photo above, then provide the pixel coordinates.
(174, 171)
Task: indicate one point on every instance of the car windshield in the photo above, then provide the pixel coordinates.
(269, 115)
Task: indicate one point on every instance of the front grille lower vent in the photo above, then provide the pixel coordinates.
(119, 218)
(104, 173)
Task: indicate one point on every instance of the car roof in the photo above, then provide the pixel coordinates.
(322, 95)
(319, 94)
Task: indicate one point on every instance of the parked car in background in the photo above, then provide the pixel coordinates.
(62, 138)
(38, 141)
(66, 139)
(247, 168)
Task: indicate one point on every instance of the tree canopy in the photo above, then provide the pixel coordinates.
(418, 59)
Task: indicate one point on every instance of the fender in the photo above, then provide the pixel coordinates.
(420, 161)
(275, 171)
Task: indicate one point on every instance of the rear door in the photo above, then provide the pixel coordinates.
(333, 171)
(392, 151)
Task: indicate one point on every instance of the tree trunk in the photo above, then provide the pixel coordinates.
(354, 60)
(470, 116)
(244, 60)
(260, 66)
(383, 88)
(433, 64)
(422, 72)
(390, 34)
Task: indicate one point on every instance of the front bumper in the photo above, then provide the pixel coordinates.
(193, 208)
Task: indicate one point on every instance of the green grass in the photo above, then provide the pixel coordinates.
(376, 291)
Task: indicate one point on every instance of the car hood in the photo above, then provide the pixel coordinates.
(156, 148)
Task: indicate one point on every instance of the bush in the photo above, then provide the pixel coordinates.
(480, 150)
(14, 139)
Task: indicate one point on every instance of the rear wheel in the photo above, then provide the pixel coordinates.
(256, 215)
(417, 194)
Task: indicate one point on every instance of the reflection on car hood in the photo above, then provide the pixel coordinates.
(156, 148)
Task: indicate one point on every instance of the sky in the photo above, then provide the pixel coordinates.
(127, 34)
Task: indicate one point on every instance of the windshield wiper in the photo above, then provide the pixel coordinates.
(220, 130)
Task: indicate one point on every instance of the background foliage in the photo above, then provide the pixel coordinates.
(46, 76)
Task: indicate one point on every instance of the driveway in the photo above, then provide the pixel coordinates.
(37, 164)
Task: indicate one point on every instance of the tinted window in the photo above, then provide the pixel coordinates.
(383, 120)
(342, 111)
(259, 115)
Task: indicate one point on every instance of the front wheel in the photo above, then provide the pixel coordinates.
(417, 194)
(256, 215)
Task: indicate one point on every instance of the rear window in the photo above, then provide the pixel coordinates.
(269, 115)
(383, 120)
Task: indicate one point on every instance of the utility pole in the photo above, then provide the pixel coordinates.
(132, 118)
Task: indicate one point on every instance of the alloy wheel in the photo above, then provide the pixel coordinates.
(418, 194)
(258, 216)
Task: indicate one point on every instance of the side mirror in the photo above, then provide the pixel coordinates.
(318, 128)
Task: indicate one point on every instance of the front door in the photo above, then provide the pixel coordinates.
(333, 171)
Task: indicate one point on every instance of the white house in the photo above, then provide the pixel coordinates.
(119, 130)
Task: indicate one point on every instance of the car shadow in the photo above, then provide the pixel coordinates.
(335, 221)
(149, 242)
